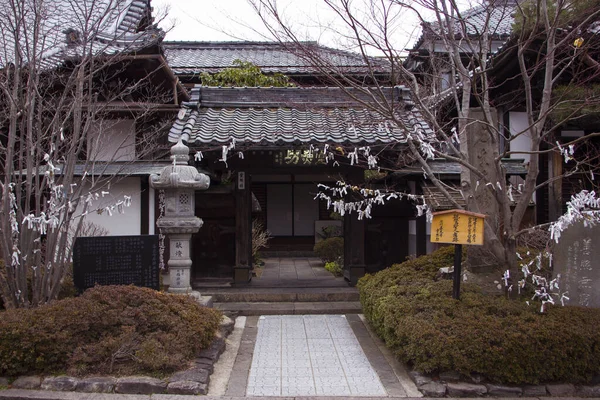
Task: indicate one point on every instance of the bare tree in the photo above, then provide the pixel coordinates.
(546, 46)
(65, 82)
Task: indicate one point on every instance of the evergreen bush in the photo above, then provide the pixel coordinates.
(502, 340)
(334, 267)
(109, 329)
(330, 249)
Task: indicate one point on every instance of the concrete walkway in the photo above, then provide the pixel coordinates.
(333, 355)
(308, 355)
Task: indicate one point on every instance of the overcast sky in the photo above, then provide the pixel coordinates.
(223, 20)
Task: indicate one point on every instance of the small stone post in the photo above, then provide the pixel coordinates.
(179, 181)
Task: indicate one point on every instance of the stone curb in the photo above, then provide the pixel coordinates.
(448, 385)
(193, 381)
(17, 394)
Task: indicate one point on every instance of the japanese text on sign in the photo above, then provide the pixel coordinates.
(457, 227)
(299, 157)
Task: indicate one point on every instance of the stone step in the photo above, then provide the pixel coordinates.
(286, 253)
(271, 295)
(291, 308)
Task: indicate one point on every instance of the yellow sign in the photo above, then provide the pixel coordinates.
(457, 227)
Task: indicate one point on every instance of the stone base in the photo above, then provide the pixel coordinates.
(353, 273)
(242, 274)
(206, 301)
(180, 290)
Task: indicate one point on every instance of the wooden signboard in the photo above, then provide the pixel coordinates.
(457, 227)
(116, 260)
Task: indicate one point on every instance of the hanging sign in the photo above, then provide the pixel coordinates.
(299, 158)
(457, 227)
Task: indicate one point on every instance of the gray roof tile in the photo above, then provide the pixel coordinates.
(108, 26)
(279, 116)
(188, 58)
(496, 19)
(445, 167)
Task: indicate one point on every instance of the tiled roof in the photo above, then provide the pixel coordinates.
(495, 19)
(280, 116)
(189, 58)
(445, 167)
(105, 26)
(438, 201)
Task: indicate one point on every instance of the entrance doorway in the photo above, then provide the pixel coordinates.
(291, 213)
(291, 210)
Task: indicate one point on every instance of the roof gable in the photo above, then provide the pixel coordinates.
(494, 18)
(69, 28)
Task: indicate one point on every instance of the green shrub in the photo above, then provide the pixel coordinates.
(330, 249)
(334, 267)
(499, 339)
(109, 329)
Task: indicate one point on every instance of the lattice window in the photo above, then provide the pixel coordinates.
(184, 199)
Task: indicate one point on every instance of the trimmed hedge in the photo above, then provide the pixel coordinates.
(109, 329)
(330, 249)
(502, 340)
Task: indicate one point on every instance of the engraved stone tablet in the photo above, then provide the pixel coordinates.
(576, 258)
(116, 260)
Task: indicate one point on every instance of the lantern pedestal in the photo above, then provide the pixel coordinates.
(179, 181)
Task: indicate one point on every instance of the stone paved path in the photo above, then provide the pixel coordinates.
(310, 355)
(296, 272)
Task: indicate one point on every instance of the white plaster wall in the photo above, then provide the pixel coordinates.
(112, 140)
(128, 223)
(518, 123)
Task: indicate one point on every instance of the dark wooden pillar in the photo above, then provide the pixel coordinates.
(243, 229)
(354, 248)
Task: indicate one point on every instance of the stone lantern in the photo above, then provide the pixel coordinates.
(179, 181)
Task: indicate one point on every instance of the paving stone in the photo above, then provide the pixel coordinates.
(301, 355)
(449, 376)
(205, 363)
(98, 384)
(191, 375)
(60, 383)
(504, 391)
(561, 390)
(27, 382)
(588, 391)
(419, 378)
(140, 385)
(534, 391)
(463, 389)
(214, 351)
(187, 388)
(433, 389)
(3, 381)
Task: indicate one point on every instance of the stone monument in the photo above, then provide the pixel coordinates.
(179, 181)
(575, 259)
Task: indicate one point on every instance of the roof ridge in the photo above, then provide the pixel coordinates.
(227, 42)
